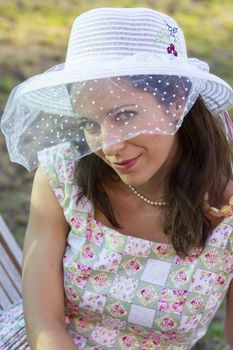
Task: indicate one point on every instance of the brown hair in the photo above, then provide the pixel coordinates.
(204, 166)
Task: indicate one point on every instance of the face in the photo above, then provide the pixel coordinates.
(109, 111)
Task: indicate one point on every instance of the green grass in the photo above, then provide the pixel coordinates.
(6, 85)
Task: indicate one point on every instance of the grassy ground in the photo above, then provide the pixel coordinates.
(33, 37)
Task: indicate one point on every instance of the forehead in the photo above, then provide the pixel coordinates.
(105, 93)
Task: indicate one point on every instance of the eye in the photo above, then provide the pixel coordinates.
(125, 115)
(90, 126)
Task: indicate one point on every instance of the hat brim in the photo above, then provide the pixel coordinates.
(216, 93)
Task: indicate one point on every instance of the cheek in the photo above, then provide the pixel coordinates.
(161, 146)
(92, 141)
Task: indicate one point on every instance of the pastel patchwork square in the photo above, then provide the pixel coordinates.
(83, 205)
(150, 343)
(99, 282)
(107, 261)
(79, 340)
(167, 323)
(189, 323)
(214, 300)
(147, 294)
(116, 308)
(172, 300)
(85, 321)
(76, 274)
(219, 236)
(127, 341)
(73, 294)
(75, 244)
(92, 301)
(227, 261)
(137, 247)
(202, 281)
(221, 282)
(141, 315)
(123, 288)
(104, 336)
(179, 277)
(195, 304)
(156, 272)
(77, 222)
(94, 232)
(211, 257)
(113, 240)
(113, 323)
(192, 258)
(65, 171)
(162, 251)
(89, 254)
(131, 266)
(136, 329)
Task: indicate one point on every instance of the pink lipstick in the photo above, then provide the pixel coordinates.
(126, 164)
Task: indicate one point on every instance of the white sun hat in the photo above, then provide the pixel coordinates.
(108, 46)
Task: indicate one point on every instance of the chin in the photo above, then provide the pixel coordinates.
(133, 181)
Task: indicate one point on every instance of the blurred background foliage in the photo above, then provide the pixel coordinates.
(33, 37)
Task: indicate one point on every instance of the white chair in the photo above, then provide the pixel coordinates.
(10, 267)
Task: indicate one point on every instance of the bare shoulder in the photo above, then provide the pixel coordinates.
(42, 192)
(45, 208)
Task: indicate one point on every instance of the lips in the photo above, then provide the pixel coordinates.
(126, 164)
(126, 161)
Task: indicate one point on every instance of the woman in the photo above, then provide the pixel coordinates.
(129, 241)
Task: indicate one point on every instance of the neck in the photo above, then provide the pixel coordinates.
(158, 185)
(155, 188)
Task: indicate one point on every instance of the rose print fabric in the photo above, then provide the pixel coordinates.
(124, 292)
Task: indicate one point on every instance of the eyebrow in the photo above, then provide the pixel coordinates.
(115, 109)
(109, 112)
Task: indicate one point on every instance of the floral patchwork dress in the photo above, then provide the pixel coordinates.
(124, 292)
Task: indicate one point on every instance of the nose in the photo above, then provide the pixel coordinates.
(111, 139)
(110, 150)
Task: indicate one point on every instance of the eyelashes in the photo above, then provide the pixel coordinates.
(93, 127)
(90, 126)
(125, 115)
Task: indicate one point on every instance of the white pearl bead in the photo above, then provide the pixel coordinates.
(146, 199)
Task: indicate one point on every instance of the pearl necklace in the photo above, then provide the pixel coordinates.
(146, 199)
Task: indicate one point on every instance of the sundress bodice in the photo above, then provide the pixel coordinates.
(124, 292)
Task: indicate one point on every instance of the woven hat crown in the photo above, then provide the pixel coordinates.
(112, 33)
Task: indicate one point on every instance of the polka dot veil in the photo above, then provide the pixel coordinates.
(98, 113)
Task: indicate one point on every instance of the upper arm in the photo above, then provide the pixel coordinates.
(44, 245)
(229, 315)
